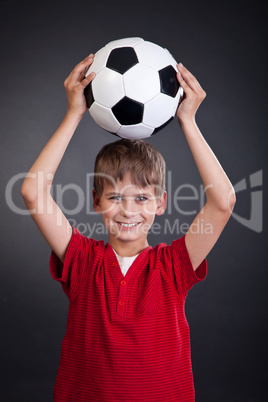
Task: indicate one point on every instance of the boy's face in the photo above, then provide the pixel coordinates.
(128, 211)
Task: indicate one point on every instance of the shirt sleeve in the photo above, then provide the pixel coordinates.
(71, 273)
(179, 267)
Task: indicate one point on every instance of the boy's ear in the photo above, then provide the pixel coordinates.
(96, 202)
(162, 204)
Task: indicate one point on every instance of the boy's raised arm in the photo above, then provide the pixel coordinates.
(220, 194)
(37, 185)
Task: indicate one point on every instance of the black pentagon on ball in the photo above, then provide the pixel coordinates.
(122, 59)
(89, 95)
(168, 81)
(128, 112)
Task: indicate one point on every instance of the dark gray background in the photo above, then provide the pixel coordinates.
(223, 44)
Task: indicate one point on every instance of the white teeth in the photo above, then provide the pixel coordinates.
(128, 225)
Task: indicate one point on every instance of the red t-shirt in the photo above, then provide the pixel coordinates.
(127, 338)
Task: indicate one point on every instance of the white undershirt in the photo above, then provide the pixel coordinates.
(125, 262)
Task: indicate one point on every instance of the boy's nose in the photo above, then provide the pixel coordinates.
(129, 208)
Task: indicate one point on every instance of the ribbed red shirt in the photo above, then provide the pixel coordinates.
(127, 338)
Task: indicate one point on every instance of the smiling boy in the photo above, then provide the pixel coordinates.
(129, 190)
(127, 337)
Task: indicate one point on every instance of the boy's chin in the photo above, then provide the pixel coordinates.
(125, 235)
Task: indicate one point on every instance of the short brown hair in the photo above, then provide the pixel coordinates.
(144, 162)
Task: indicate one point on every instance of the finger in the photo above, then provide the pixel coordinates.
(182, 82)
(87, 61)
(80, 68)
(87, 80)
(188, 77)
(89, 57)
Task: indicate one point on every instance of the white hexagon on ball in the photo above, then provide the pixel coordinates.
(104, 117)
(124, 42)
(107, 87)
(141, 83)
(152, 55)
(137, 131)
(158, 110)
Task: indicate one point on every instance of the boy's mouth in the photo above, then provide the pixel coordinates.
(124, 225)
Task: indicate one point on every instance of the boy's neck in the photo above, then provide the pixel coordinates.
(128, 249)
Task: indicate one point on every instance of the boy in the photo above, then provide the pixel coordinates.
(127, 337)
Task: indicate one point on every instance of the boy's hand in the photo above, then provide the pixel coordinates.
(193, 95)
(75, 84)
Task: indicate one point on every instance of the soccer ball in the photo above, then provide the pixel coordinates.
(135, 92)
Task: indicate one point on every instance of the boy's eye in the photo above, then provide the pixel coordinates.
(119, 198)
(116, 198)
(141, 198)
